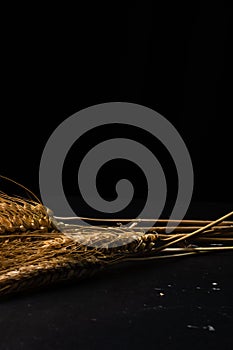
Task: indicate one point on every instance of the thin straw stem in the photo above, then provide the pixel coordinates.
(188, 222)
(200, 230)
(197, 249)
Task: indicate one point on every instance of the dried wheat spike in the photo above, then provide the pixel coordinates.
(20, 215)
(34, 253)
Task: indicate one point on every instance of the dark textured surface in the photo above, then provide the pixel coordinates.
(172, 304)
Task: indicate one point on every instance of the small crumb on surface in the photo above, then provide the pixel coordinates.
(209, 328)
(192, 326)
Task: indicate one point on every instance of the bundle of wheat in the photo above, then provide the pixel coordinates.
(35, 252)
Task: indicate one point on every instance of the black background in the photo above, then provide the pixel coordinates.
(175, 58)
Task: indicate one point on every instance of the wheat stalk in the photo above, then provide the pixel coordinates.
(34, 253)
